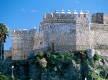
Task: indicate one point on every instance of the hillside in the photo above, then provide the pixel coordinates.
(58, 66)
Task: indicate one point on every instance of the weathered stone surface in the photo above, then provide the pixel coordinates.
(22, 43)
(62, 33)
(98, 18)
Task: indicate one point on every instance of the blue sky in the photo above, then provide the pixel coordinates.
(25, 14)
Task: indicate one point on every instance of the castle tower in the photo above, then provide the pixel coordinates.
(59, 31)
(71, 28)
(22, 43)
(98, 18)
(82, 31)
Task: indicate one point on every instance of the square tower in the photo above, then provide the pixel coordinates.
(98, 18)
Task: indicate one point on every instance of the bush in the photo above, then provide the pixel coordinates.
(96, 57)
(3, 77)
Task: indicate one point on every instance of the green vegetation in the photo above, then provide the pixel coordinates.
(59, 62)
(99, 74)
(99, 66)
(3, 35)
(67, 66)
(3, 77)
(96, 75)
(53, 59)
(96, 57)
(3, 32)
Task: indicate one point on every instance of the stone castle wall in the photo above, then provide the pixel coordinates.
(7, 54)
(105, 19)
(82, 32)
(39, 42)
(99, 33)
(60, 29)
(22, 43)
(60, 36)
(64, 32)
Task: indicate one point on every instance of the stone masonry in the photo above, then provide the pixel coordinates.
(22, 43)
(62, 32)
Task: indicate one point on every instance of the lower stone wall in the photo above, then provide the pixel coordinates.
(20, 54)
(103, 52)
(7, 54)
(98, 35)
(98, 39)
(65, 48)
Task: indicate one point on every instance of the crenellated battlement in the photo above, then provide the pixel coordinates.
(64, 17)
(24, 32)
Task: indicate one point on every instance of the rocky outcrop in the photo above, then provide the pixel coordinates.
(75, 66)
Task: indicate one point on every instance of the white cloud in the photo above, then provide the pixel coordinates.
(33, 11)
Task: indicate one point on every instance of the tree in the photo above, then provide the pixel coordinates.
(3, 35)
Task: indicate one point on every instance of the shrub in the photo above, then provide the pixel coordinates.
(4, 77)
(96, 57)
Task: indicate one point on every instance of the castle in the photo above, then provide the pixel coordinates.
(62, 32)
